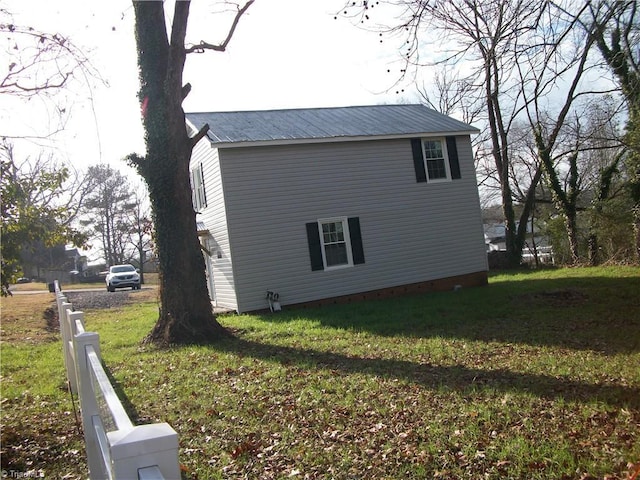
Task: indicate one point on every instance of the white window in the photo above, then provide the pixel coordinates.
(436, 160)
(199, 195)
(336, 245)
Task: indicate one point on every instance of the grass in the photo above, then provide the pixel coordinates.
(535, 376)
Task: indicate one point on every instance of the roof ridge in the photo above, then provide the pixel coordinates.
(315, 108)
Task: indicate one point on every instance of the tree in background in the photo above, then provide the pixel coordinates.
(186, 314)
(107, 213)
(140, 231)
(616, 27)
(520, 61)
(610, 207)
(35, 209)
(483, 35)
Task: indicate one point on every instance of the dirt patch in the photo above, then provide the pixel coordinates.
(23, 318)
(51, 319)
(558, 298)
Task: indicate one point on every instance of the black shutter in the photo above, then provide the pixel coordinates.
(418, 160)
(315, 249)
(357, 251)
(454, 165)
(204, 192)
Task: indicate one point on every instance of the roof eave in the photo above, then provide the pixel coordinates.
(359, 138)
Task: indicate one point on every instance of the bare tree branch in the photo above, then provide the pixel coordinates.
(198, 136)
(221, 47)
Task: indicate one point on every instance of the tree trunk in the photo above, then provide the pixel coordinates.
(572, 232)
(186, 314)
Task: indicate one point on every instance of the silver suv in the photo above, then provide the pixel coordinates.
(122, 276)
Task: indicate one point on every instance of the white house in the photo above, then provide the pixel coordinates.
(335, 204)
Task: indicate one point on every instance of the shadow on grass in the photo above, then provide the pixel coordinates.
(457, 378)
(583, 313)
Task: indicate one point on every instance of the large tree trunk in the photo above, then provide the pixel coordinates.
(186, 313)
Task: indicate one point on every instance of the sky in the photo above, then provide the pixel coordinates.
(284, 54)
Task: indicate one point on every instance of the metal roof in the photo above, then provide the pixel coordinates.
(325, 124)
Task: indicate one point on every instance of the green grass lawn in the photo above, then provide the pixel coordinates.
(535, 376)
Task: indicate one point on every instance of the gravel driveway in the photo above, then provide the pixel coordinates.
(97, 299)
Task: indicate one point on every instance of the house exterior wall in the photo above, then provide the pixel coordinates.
(214, 217)
(411, 232)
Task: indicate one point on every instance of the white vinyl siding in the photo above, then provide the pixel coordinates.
(411, 233)
(215, 219)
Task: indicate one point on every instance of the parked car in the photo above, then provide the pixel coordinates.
(23, 280)
(122, 276)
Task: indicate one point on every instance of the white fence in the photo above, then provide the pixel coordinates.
(116, 448)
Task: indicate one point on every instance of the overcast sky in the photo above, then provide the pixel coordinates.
(285, 54)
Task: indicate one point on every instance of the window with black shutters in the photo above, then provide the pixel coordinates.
(335, 243)
(435, 159)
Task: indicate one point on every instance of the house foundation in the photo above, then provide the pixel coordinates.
(476, 279)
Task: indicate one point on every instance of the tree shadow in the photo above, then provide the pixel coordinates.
(598, 314)
(458, 378)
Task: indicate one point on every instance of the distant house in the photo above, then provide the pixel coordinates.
(335, 204)
(537, 248)
(53, 263)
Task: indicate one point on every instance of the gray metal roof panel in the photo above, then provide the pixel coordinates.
(325, 123)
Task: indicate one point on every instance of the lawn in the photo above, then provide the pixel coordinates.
(535, 376)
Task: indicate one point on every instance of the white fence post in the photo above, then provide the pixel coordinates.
(67, 338)
(88, 403)
(73, 319)
(145, 446)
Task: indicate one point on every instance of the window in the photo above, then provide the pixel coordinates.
(334, 246)
(335, 243)
(199, 196)
(435, 159)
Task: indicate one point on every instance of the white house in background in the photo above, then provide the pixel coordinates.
(335, 204)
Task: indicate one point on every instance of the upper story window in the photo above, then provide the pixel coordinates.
(435, 159)
(199, 195)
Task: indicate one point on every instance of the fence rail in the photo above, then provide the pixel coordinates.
(116, 448)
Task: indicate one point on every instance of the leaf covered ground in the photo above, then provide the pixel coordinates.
(535, 376)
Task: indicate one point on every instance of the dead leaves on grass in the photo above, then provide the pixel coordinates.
(41, 436)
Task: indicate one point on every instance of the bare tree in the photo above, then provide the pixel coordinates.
(107, 210)
(557, 56)
(605, 152)
(483, 35)
(516, 55)
(616, 27)
(186, 313)
(40, 64)
(140, 230)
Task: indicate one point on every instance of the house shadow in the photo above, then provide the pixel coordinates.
(573, 313)
(456, 377)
